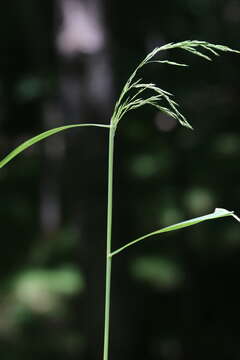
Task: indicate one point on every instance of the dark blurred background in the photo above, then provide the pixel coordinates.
(174, 297)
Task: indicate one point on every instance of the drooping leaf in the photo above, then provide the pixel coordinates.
(40, 137)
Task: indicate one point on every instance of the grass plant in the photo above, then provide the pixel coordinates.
(135, 94)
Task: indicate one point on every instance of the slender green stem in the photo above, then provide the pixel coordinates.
(109, 238)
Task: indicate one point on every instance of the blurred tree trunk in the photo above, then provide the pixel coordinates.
(85, 96)
(53, 156)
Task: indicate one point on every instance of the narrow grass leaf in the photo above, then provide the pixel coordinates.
(218, 213)
(40, 137)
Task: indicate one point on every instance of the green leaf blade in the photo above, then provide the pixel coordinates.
(40, 137)
(218, 213)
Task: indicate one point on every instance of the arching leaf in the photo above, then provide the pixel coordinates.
(40, 137)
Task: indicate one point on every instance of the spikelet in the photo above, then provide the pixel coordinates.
(161, 99)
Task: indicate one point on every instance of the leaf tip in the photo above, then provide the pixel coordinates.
(222, 211)
(236, 217)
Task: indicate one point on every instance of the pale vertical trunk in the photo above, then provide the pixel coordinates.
(85, 96)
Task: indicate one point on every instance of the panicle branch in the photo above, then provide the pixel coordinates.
(133, 88)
